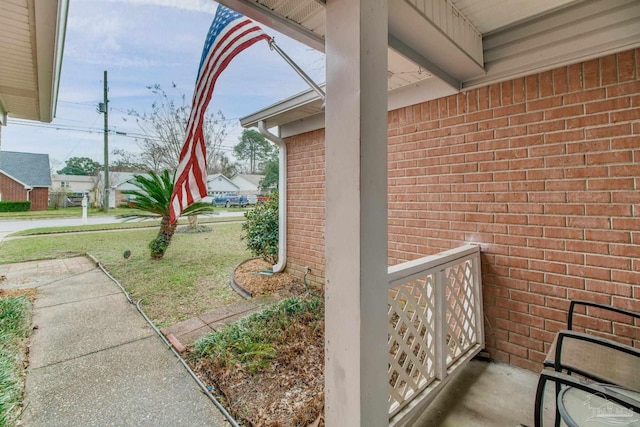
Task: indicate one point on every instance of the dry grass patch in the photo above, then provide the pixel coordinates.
(269, 367)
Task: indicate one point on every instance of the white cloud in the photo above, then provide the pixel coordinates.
(206, 6)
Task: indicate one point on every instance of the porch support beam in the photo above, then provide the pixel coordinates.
(403, 49)
(356, 322)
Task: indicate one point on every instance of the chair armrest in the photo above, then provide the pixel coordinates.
(597, 305)
(560, 378)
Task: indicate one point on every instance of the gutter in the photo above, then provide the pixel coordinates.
(282, 196)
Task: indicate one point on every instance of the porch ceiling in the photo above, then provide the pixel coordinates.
(469, 43)
(31, 44)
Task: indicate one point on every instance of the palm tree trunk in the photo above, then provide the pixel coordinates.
(162, 241)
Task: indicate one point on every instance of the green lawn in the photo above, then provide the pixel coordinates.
(192, 278)
(14, 329)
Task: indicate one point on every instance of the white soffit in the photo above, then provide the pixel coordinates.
(32, 36)
(490, 15)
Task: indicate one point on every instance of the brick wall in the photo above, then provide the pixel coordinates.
(305, 205)
(11, 190)
(14, 191)
(542, 171)
(39, 199)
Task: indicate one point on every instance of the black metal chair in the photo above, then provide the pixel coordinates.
(600, 363)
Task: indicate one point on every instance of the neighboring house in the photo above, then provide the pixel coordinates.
(76, 184)
(247, 183)
(25, 176)
(118, 182)
(219, 184)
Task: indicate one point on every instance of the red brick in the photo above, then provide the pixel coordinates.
(610, 184)
(625, 116)
(608, 236)
(589, 272)
(586, 96)
(547, 289)
(630, 277)
(626, 66)
(608, 131)
(547, 126)
(564, 281)
(591, 73)
(543, 104)
(563, 233)
(527, 319)
(574, 77)
(588, 121)
(608, 262)
(609, 70)
(627, 304)
(608, 287)
(548, 313)
(608, 105)
(588, 247)
(628, 331)
(623, 89)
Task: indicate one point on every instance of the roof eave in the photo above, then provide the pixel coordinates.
(272, 113)
(51, 19)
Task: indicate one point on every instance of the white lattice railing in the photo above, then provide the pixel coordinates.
(435, 326)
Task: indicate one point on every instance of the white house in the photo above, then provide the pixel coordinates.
(219, 184)
(247, 183)
(73, 183)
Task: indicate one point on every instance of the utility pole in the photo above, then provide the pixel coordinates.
(104, 108)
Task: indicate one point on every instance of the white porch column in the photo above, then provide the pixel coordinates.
(356, 213)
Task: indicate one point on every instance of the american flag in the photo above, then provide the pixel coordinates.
(230, 34)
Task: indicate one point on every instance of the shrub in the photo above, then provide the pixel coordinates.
(261, 230)
(9, 206)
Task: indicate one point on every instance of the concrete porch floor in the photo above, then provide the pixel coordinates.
(484, 394)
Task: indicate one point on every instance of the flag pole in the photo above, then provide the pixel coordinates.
(305, 77)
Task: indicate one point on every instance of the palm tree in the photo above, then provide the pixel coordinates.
(152, 200)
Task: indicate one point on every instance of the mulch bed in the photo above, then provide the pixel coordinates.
(290, 391)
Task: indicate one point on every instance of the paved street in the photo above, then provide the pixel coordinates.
(12, 226)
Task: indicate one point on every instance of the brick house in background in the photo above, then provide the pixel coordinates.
(25, 176)
(542, 171)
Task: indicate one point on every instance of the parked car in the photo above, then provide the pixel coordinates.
(230, 199)
(262, 198)
(252, 199)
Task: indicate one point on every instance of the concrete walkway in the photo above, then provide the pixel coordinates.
(94, 361)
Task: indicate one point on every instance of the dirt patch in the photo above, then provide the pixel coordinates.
(290, 391)
(29, 292)
(250, 276)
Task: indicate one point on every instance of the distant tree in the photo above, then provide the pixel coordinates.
(123, 161)
(152, 198)
(271, 173)
(164, 129)
(253, 149)
(225, 166)
(80, 166)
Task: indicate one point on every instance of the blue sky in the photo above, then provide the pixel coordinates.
(140, 43)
